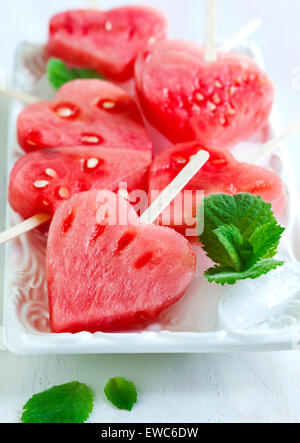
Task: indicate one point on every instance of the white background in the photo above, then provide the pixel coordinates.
(183, 388)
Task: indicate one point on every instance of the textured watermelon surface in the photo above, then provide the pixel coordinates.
(105, 276)
(85, 112)
(42, 180)
(217, 104)
(107, 41)
(221, 174)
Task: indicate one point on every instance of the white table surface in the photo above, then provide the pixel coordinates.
(179, 388)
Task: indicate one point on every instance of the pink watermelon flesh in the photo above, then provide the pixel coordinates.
(107, 41)
(87, 113)
(104, 277)
(42, 180)
(222, 174)
(218, 104)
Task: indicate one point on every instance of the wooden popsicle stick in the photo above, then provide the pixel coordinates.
(241, 35)
(25, 226)
(21, 96)
(175, 187)
(93, 4)
(211, 31)
(2, 345)
(271, 145)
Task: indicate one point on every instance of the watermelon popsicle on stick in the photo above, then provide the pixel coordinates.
(40, 181)
(85, 112)
(106, 41)
(111, 276)
(58, 181)
(218, 104)
(191, 93)
(221, 174)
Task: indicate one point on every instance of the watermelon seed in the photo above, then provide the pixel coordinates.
(232, 90)
(90, 139)
(200, 97)
(108, 104)
(108, 26)
(216, 99)
(30, 142)
(68, 221)
(223, 120)
(64, 112)
(180, 160)
(211, 106)
(219, 161)
(40, 184)
(51, 173)
(230, 110)
(98, 230)
(238, 80)
(63, 192)
(144, 260)
(92, 163)
(46, 203)
(218, 84)
(125, 240)
(152, 40)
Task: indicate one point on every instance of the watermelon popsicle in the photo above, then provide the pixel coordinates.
(221, 174)
(85, 113)
(219, 103)
(74, 170)
(111, 276)
(41, 181)
(106, 41)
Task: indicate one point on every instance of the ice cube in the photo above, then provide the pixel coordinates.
(250, 302)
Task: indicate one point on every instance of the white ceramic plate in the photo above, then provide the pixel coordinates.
(190, 326)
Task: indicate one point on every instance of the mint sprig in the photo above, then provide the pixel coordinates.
(121, 393)
(59, 73)
(68, 403)
(241, 235)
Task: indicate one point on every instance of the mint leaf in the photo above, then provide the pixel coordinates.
(59, 73)
(68, 403)
(223, 275)
(251, 212)
(265, 240)
(121, 393)
(241, 235)
(230, 237)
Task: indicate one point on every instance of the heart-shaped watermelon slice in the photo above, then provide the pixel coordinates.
(85, 112)
(186, 98)
(40, 181)
(107, 41)
(111, 276)
(222, 174)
